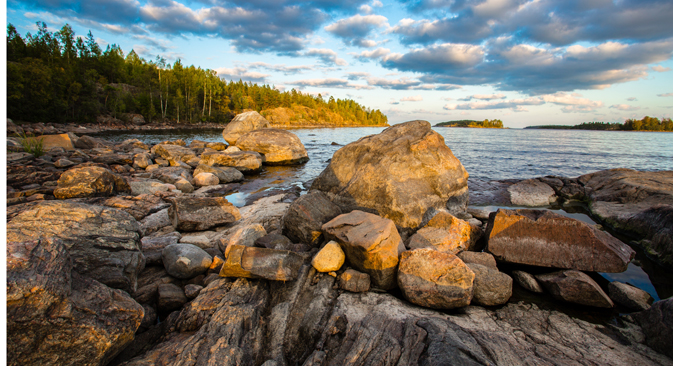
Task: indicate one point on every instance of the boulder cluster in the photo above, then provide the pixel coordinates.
(131, 254)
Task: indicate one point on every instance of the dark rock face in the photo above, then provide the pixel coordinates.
(90, 181)
(547, 239)
(279, 147)
(576, 287)
(629, 296)
(201, 213)
(171, 297)
(491, 287)
(371, 243)
(303, 221)
(309, 322)
(401, 173)
(435, 279)
(252, 262)
(104, 243)
(55, 316)
(657, 324)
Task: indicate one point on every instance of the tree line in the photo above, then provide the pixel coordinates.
(59, 77)
(493, 123)
(646, 124)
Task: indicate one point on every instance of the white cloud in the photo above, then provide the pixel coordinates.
(624, 107)
(416, 98)
(665, 95)
(659, 68)
(326, 55)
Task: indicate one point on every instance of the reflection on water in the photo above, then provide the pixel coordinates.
(488, 154)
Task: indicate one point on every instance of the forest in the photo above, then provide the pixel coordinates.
(645, 124)
(60, 77)
(494, 123)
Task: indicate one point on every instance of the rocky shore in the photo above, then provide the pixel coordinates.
(128, 254)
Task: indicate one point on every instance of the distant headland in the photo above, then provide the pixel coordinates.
(645, 124)
(493, 123)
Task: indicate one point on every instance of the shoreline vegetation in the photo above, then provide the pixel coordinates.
(63, 78)
(494, 123)
(646, 124)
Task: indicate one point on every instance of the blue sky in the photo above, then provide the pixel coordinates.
(524, 62)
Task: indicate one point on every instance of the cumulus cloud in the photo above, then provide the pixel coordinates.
(239, 73)
(483, 97)
(442, 58)
(282, 27)
(624, 107)
(665, 95)
(570, 103)
(357, 75)
(416, 98)
(371, 55)
(330, 83)
(327, 56)
(355, 30)
(287, 70)
(659, 68)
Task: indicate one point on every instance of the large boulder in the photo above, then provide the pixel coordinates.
(244, 161)
(491, 287)
(434, 279)
(185, 260)
(576, 287)
(173, 152)
(547, 239)
(104, 243)
(90, 181)
(242, 124)
(401, 173)
(55, 316)
(278, 147)
(201, 213)
(303, 221)
(371, 243)
(252, 262)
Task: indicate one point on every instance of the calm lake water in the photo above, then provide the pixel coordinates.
(488, 154)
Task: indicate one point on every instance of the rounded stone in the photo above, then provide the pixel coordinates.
(206, 179)
(185, 260)
(330, 258)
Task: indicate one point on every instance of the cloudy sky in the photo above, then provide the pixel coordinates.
(524, 62)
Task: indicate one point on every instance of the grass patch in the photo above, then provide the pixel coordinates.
(32, 145)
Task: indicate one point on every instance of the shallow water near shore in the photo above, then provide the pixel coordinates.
(487, 154)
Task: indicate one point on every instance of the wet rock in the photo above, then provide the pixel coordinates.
(192, 291)
(173, 152)
(56, 316)
(224, 174)
(354, 281)
(171, 297)
(242, 124)
(629, 296)
(657, 324)
(304, 219)
(252, 262)
(244, 235)
(576, 287)
(400, 173)
(434, 279)
(185, 260)
(527, 281)
(371, 243)
(491, 287)
(90, 181)
(278, 147)
(485, 259)
(244, 161)
(201, 213)
(206, 179)
(104, 243)
(329, 259)
(531, 193)
(546, 239)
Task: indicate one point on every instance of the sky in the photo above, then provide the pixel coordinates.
(525, 62)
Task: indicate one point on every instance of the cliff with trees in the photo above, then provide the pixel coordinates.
(58, 77)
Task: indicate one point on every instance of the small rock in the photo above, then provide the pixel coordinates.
(531, 193)
(271, 264)
(354, 281)
(185, 260)
(303, 220)
(527, 281)
(245, 235)
(206, 179)
(491, 287)
(630, 296)
(216, 266)
(329, 258)
(483, 258)
(192, 291)
(171, 297)
(576, 287)
(63, 163)
(200, 239)
(184, 186)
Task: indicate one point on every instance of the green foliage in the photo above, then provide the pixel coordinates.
(58, 77)
(645, 124)
(493, 123)
(32, 145)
